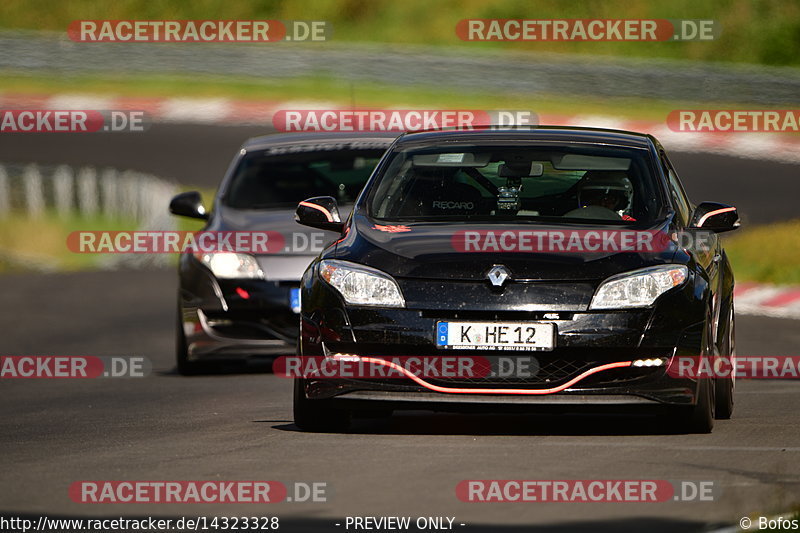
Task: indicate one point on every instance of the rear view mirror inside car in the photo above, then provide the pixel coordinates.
(452, 159)
(589, 162)
(524, 170)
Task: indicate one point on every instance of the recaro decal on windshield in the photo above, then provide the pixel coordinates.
(444, 204)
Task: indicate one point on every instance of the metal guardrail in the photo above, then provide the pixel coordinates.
(87, 191)
(455, 68)
(32, 190)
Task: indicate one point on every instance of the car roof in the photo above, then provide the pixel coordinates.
(566, 134)
(273, 139)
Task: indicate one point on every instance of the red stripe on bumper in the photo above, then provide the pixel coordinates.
(456, 390)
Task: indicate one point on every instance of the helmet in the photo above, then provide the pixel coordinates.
(611, 189)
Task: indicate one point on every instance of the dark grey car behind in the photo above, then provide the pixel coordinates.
(223, 314)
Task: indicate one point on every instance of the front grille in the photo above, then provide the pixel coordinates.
(496, 315)
(552, 371)
(255, 325)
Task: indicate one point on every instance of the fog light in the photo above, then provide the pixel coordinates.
(336, 356)
(219, 323)
(656, 361)
(344, 357)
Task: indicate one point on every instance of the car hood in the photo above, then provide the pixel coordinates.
(435, 251)
(292, 246)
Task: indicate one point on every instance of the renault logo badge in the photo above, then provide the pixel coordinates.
(498, 275)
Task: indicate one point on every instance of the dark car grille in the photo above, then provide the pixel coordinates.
(255, 324)
(550, 374)
(495, 315)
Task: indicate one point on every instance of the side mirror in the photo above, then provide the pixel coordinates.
(319, 212)
(188, 204)
(715, 217)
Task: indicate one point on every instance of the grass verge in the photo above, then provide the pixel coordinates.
(752, 31)
(40, 244)
(359, 95)
(767, 254)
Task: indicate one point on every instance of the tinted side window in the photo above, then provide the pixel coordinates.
(677, 194)
(265, 180)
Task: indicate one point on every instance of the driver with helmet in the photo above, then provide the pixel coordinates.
(604, 195)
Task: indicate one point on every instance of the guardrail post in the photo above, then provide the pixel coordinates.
(34, 191)
(109, 182)
(63, 190)
(5, 193)
(128, 193)
(87, 191)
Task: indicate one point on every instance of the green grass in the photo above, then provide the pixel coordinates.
(752, 31)
(769, 254)
(43, 241)
(325, 89)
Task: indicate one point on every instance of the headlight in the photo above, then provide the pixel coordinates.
(639, 288)
(229, 265)
(360, 285)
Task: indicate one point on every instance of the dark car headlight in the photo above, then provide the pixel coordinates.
(638, 288)
(361, 285)
(229, 265)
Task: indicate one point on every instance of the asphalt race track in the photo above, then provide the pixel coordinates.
(237, 424)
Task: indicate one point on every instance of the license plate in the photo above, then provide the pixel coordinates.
(527, 336)
(294, 300)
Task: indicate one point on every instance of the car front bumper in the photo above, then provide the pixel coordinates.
(235, 319)
(585, 340)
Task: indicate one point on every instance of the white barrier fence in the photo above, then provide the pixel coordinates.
(33, 190)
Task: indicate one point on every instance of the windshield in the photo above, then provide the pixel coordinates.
(529, 183)
(266, 180)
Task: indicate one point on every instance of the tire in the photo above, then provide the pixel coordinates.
(317, 415)
(185, 366)
(703, 414)
(725, 386)
(700, 417)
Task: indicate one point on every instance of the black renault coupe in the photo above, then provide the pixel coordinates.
(575, 247)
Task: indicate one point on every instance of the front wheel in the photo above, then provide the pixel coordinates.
(725, 385)
(185, 366)
(317, 415)
(698, 418)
